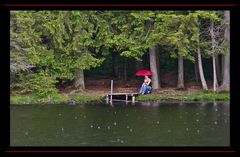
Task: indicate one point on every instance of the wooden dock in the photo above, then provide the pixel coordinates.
(125, 97)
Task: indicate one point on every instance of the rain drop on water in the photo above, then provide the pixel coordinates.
(131, 130)
(59, 114)
(98, 127)
(197, 120)
(157, 122)
(187, 129)
(75, 117)
(225, 121)
(26, 133)
(122, 141)
(84, 116)
(115, 123)
(169, 131)
(198, 131)
(128, 127)
(215, 122)
(91, 126)
(62, 129)
(108, 127)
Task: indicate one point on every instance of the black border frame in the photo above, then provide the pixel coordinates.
(4, 60)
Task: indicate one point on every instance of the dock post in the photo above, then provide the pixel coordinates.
(126, 98)
(107, 99)
(111, 91)
(133, 99)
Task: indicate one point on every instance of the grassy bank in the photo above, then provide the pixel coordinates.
(83, 99)
(55, 99)
(201, 96)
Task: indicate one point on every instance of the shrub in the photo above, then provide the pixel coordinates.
(41, 85)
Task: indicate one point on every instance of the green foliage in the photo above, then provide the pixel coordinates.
(40, 84)
(46, 46)
(134, 52)
(58, 43)
(179, 30)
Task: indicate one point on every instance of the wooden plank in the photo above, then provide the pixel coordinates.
(123, 94)
(121, 100)
(111, 91)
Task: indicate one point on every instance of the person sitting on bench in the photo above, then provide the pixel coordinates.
(146, 86)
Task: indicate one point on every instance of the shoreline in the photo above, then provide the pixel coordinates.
(84, 99)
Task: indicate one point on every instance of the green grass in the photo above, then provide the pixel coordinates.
(53, 99)
(32, 99)
(83, 99)
(87, 99)
(23, 99)
(201, 96)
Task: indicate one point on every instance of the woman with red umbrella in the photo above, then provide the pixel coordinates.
(146, 86)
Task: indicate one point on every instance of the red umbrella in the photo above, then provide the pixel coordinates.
(143, 73)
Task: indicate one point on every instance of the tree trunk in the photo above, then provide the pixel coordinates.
(196, 70)
(215, 82)
(222, 66)
(114, 65)
(225, 86)
(203, 81)
(158, 63)
(154, 68)
(218, 69)
(180, 84)
(79, 81)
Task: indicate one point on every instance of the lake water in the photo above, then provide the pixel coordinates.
(142, 124)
